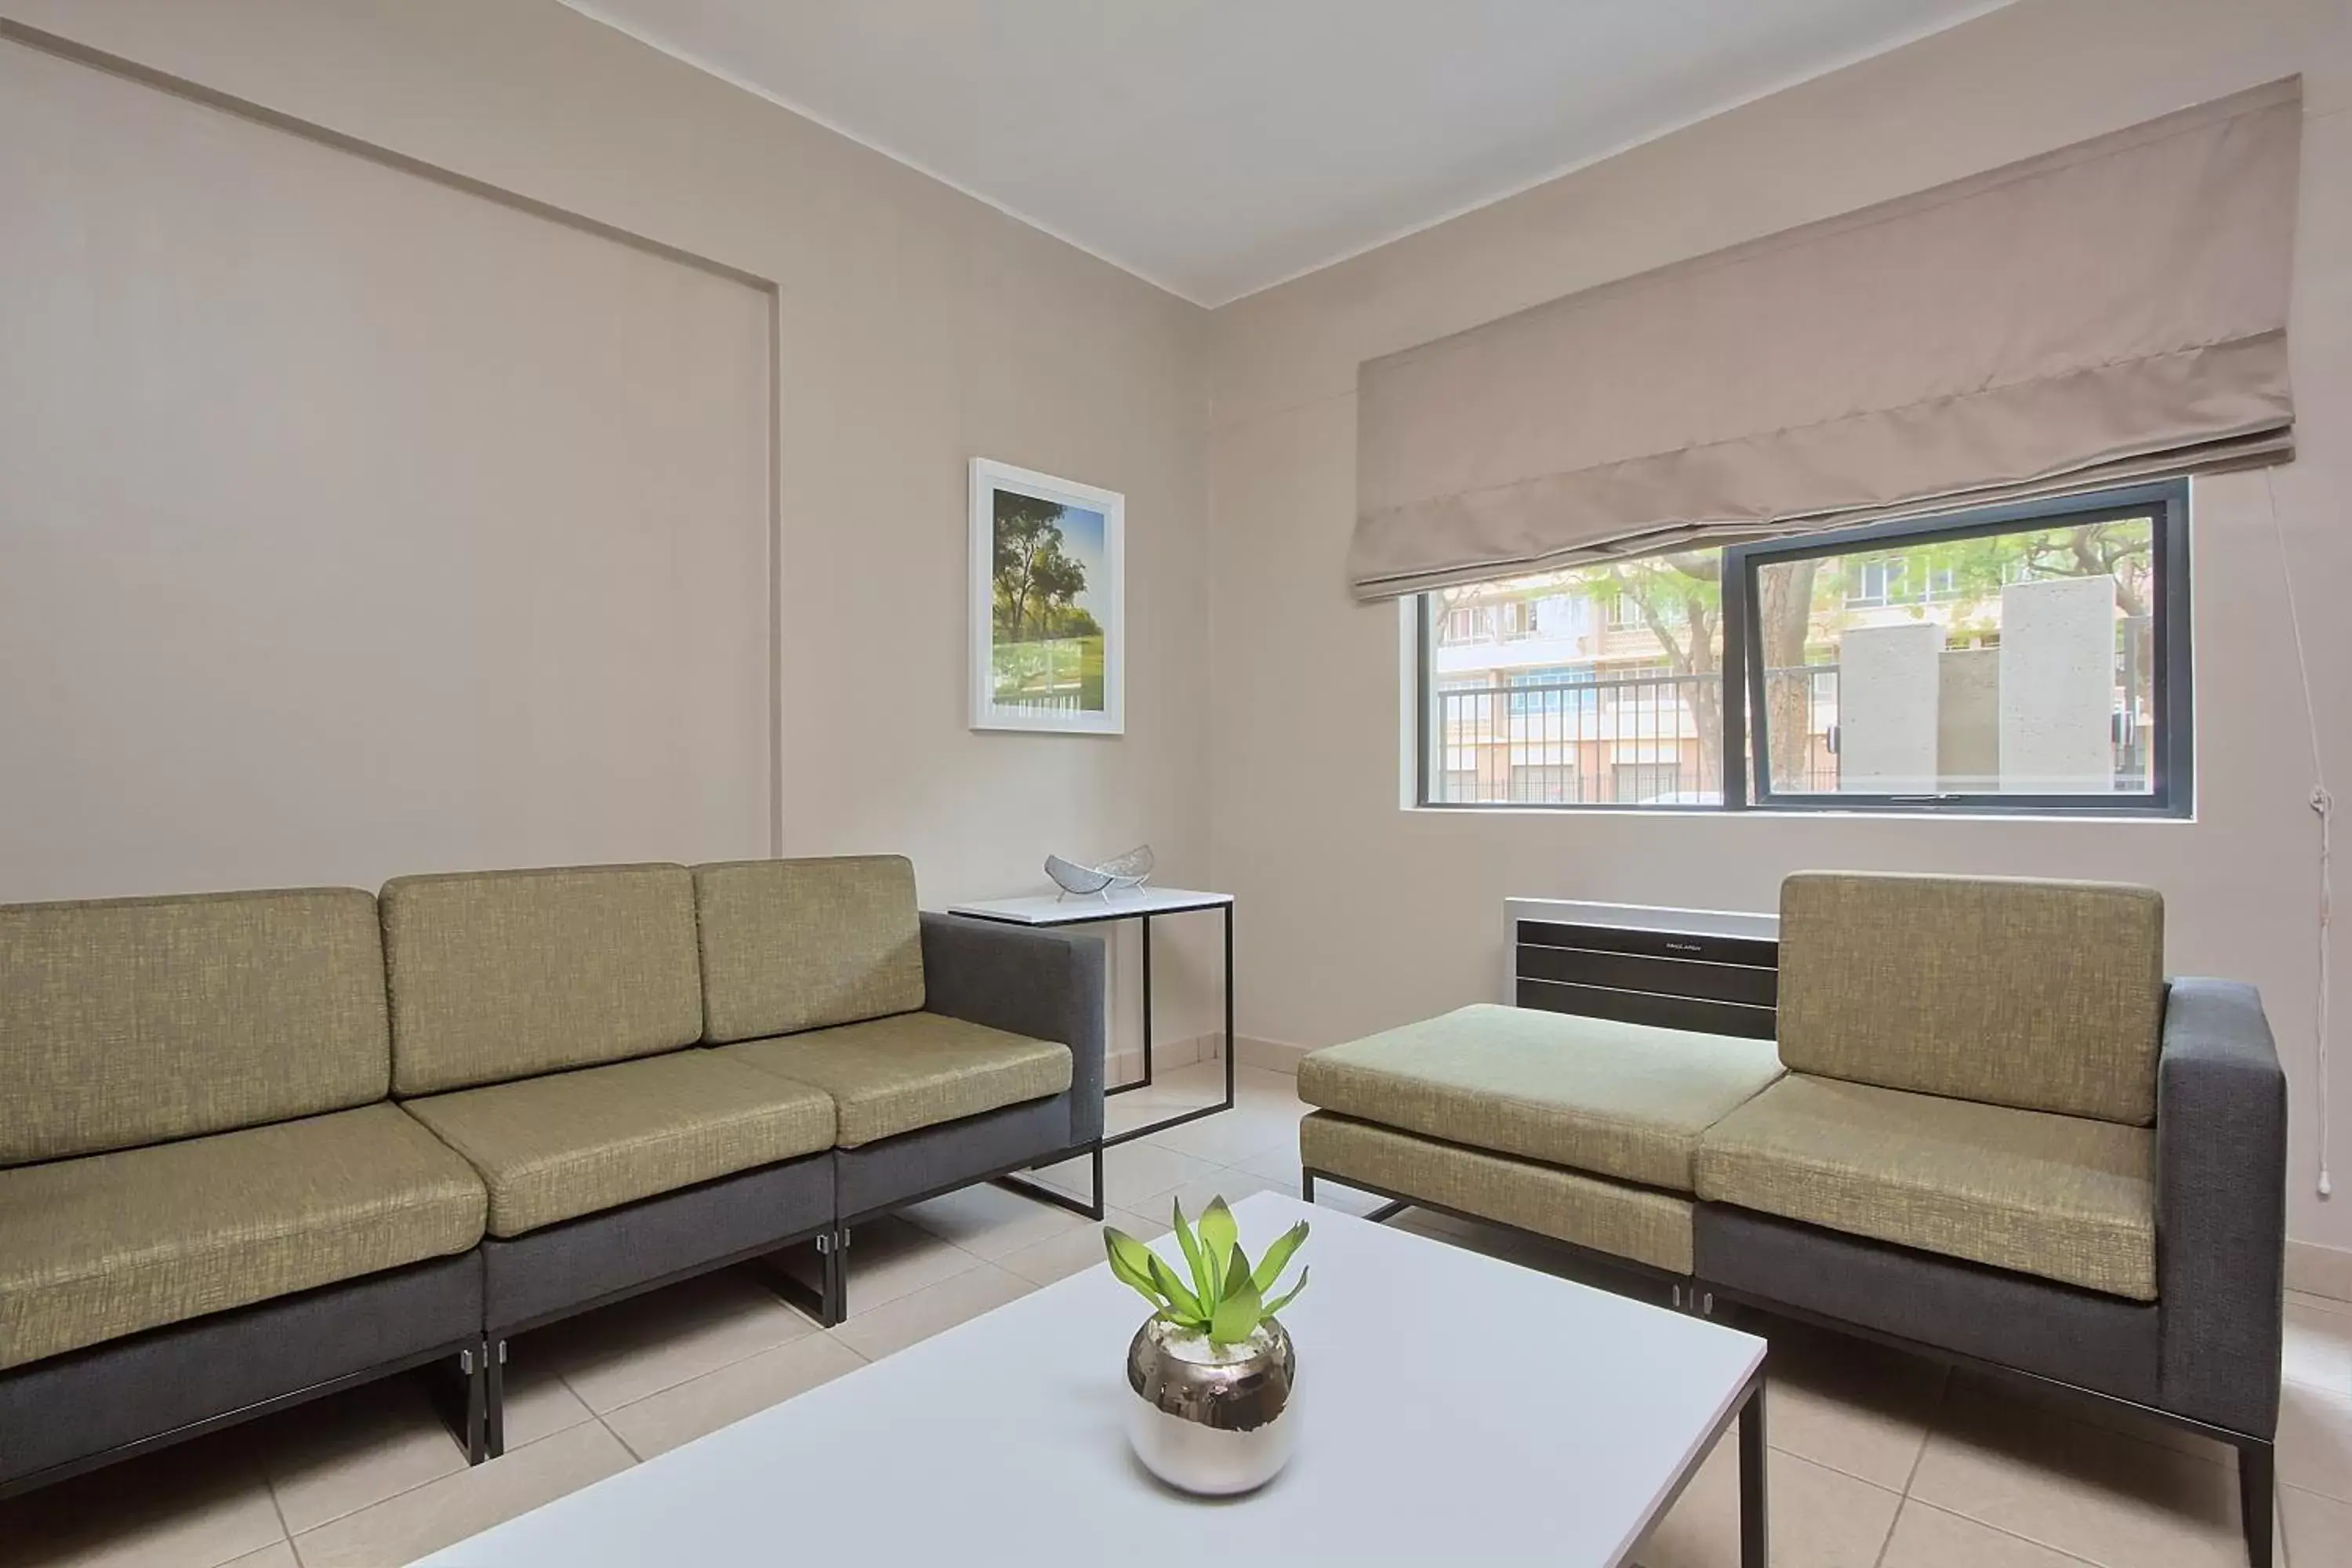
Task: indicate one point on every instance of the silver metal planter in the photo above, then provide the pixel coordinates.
(1207, 1418)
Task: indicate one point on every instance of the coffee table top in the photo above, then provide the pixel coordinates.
(1554, 1424)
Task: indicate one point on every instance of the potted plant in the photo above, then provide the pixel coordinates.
(1211, 1368)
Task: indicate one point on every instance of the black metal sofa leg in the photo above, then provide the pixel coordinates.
(464, 1400)
(833, 1303)
(1091, 1207)
(494, 1380)
(2256, 1498)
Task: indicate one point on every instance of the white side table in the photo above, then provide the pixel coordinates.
(1144, 904)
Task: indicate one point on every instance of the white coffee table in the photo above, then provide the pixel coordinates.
(1557, 1424)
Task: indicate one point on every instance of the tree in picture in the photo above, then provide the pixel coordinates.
(1047, 646)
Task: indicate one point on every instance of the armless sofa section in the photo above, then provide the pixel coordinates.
(255, 1147)
(1990, 1129)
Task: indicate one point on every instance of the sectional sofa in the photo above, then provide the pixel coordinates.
(256, 1147)
(1989, 1132)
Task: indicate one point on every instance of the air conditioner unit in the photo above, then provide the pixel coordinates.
(1716, 971)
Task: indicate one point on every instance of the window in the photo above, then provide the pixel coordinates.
(1635, 719)
(2023, 659)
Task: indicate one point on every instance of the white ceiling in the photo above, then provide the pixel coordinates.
(1216, 147)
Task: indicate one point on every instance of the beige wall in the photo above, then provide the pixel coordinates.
(352, 523)
(917, 328)
(1360, 915)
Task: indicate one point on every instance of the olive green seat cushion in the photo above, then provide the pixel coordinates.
(1617, 1099)
(1593, 1212)
(572, 1143)
(789, 945)
(2039, 995)
(94, 1248)
(2068, 1198)
(889, 1076)
(501, 974)
(126, 1021)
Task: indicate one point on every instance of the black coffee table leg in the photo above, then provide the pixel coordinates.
(1754, 1533)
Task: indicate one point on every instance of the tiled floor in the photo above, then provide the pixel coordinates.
(1878, 1461)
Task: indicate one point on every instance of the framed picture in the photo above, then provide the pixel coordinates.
(1048, 603)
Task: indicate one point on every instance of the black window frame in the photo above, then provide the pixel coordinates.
(2171, 757)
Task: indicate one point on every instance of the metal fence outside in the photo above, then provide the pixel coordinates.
(1653, 740)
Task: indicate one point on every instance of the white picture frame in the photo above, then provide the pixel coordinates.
(1064, 671)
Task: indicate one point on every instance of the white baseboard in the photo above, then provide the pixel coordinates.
(1125, 1064)
(2314, 1269)
(1273, 1056)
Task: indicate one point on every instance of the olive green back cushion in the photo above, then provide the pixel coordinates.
(502, 974)
(2042, 995)
(128, 1021)
(803, 944)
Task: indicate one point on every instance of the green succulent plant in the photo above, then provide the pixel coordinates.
(1227, 1298)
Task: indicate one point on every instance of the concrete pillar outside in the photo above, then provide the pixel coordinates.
(1889, 692)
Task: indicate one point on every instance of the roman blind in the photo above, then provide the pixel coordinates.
(2107, 310)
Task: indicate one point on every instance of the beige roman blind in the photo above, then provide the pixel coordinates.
(2112, 309)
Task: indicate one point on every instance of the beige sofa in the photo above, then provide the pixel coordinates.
(1990, 1130)
(255, 1147)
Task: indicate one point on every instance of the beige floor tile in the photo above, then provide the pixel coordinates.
(1254, 1088)
(1820, 1517)
(340, 1455)
(197, 1505)
(937, 1308)
(1144, 1107)
(2318, 1530)
(625, 1352)
(676, 1415)
(1175, 1088)
(2080, 1489)
(1853, 1406)
(1927, 1537)
(2315, 1441)
(1232, 1185)
(889, 1258)
(2318, 1348)
(1253, 1084)
(1230, 1137)
(279, 1556)
(1069, 1252)
(988, 1222)
(433, 1516)
(1133, 1173)
(2319, 1303)
(539, 1403)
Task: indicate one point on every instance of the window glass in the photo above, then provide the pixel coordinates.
(2007, 663)
(1599, 686)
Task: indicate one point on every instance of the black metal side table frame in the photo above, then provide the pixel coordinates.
(1079, 911)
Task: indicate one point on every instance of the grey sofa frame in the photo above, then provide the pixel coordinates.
(114, 1400)
(2203, 1357)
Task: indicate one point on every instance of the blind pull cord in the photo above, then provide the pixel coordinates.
(2322, 804)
